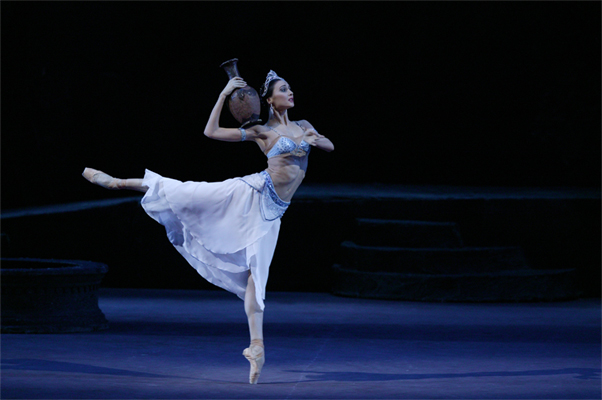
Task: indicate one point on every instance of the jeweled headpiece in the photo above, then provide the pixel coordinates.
(271, 76)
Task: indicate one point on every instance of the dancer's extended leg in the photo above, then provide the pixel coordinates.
(108, 182)
(255, 353)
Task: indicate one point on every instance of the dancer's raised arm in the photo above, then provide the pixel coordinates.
(214, 131)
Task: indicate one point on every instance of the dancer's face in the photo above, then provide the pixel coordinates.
(282, 96)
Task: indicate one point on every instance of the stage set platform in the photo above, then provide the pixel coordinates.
(365, 240)
(183, 344)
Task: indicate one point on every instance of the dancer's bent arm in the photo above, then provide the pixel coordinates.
(214, 131)
(314, 138)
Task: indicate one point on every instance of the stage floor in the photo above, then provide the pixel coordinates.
(181, 344)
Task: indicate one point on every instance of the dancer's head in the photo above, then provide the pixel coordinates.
(277, 93)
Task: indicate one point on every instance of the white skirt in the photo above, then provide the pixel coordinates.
(223, 229)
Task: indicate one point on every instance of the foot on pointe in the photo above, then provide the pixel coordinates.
(101, 179)
(256, 355)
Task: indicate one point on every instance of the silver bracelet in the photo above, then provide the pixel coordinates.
(243, 134)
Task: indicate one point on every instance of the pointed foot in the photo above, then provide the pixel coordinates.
(256, 356)
(101, 179)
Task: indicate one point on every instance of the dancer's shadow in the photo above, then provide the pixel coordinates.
(28, 364)
(581, 373)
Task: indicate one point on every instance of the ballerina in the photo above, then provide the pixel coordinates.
(228, 230)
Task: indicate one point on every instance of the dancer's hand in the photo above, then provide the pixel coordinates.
(311, 136)
(233, 84)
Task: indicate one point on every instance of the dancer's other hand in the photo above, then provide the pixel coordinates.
(311, 136)
(233, 84)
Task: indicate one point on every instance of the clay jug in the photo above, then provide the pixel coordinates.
(244, 102)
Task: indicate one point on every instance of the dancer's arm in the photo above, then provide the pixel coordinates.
(213, 130)
(315, 139)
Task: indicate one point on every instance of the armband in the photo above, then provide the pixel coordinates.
(243, 134)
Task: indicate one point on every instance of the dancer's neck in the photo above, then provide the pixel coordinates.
(278, 118)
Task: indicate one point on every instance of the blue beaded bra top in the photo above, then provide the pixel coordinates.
(286, 145)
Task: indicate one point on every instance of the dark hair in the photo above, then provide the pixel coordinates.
(270, 90)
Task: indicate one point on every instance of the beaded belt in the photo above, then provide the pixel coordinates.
(272, 206)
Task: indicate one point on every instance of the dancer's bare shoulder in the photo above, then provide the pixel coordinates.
(305, 124)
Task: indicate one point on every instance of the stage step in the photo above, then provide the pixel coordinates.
(502, 286)
(426, 261)
(431, 260)
(401, 233)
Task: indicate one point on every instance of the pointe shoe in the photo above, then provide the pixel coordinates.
(256, 355)
(101, 179)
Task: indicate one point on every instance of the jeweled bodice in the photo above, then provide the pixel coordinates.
(286, 145)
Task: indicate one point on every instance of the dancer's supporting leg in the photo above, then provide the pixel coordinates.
(108, 182)
(255, 352)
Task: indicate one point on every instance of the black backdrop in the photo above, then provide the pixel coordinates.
(454, 93)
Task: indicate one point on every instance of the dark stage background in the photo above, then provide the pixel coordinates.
(484, 94)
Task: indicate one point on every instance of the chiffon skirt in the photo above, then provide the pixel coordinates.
(223, 229)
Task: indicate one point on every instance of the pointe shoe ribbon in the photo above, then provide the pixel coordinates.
(256, 355)
(101, 179)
